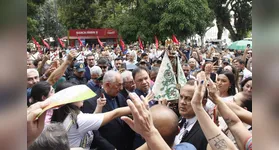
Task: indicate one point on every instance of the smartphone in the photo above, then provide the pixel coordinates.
(215, 61)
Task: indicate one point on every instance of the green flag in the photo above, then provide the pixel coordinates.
(165, 83)
(180, 74)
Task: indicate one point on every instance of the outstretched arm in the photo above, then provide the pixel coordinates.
(242, 114)
(215, 137)
(58, 73)
(240, 133)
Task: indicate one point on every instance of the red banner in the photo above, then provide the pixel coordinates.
(61, 43)
(45, 43)
(93, 33)
(100, 42)
(122, 44)
(156, 42)
(140, 43)
(174, 39)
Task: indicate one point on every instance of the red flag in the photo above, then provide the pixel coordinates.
(80, 42)
(140, 44)
(62, 44)
(156, 42)
(174, 39)
(100, 42)
(45, 43)
(37, 45)
(122, 44)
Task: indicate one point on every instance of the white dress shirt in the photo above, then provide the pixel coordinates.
(190, 123)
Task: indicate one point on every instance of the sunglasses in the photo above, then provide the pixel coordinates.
(104, 67)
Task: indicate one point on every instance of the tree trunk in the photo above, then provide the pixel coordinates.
(220, 28)
(228, 26)
(202, 42)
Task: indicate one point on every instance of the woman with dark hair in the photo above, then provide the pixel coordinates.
(40, 92)
(246, 86)
(236, 75)
(226, 85)
(80, 126)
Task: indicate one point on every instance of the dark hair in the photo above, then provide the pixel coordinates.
(88, 55)
(40, 89)
(139, 69)
(102, 61)
(63, 85)
(143, 54)
(240, 61)
(186, 64)
(159, 61)
(231, 78)
(242, 84)
(59, 115)
(203, 66)
(116, 59)
(36, 62)
(248, 104)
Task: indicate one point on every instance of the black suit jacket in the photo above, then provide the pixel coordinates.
(196, 137)
(117, 132)
(124, 93)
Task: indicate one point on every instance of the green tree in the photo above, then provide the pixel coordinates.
(49, 25)
(32, 18)
(133, 18)
(164, 18)
(242, 17)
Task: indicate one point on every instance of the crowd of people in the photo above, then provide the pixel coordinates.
(214, 110)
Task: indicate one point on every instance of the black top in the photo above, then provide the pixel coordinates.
(196, 137)
(116, 132)
(77, 80)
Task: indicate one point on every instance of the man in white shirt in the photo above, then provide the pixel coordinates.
(240, 65)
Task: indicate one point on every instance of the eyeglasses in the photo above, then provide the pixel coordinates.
(129, 82)
(104, 67)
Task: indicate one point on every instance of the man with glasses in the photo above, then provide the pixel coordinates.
(96, 79)
(128, 84)
(103, 64)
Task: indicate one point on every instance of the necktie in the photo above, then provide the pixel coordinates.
(181, 124)
(114, 104)
(185, 124)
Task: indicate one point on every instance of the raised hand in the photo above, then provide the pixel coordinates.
(200, 87)
(149, 96)
(72, 54)
(101, 102)
(212, 90)
(164, 102)
(142, 123)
